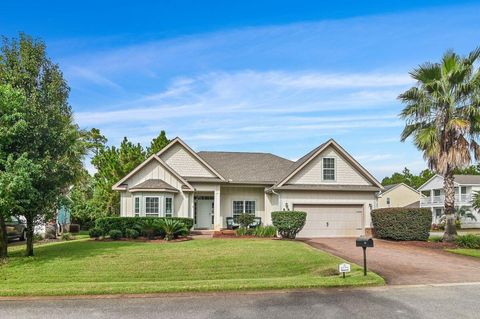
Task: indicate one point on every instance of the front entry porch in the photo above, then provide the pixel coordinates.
(204, 212)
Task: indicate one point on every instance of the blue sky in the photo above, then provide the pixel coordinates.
(270, 76)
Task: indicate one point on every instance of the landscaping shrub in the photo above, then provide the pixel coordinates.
(402, 223)
(172, 228)
(245, 220)
(95, 232)
(468, 241)
(115, 234)
(67, 236)
(147, 226)
(131, 233)
(265, 231)
(244, 231)
(289, 223)
(74, 228)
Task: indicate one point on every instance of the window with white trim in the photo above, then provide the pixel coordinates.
(243, 206)
(388, 200)
(168, 206)
(152, 206)
(137, 206)
(328, 169)
(237, 207)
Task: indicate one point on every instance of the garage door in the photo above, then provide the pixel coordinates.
(332, 220)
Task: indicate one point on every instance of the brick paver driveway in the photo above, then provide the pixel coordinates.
(402, 264)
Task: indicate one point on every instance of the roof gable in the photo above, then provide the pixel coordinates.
(178, 155)
(394, 187)
(147, 170)
(303, 162)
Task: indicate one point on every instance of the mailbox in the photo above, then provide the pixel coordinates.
(364, 242)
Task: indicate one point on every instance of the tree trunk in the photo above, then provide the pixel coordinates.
(449, 188)
(29, 234)
(3, 240)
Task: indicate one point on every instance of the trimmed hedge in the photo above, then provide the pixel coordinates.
(402, 223)
(147, 226)
(289, 223)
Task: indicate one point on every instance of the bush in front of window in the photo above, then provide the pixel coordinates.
(115, 234)
(402, 223)
(245, 220)
(289, 223)
(147, 226)
(95, 233)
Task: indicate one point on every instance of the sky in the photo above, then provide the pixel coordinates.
(267, 76)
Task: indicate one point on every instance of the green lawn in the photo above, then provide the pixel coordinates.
(466, 252)
(89, 267)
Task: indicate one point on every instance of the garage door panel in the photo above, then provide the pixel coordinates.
(332, 220)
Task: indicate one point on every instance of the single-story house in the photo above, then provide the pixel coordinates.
(328, 183)
(399, 195)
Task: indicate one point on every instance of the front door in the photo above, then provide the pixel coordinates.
(204, 212)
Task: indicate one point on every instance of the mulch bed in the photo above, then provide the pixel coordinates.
(146, 240)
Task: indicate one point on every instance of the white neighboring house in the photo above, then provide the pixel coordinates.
(465, 187)
(328, 183)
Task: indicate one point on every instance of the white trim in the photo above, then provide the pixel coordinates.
(342, 152)
(135, 206)
(172, 209)
(334, 170)
(117, 187)
(244, 206)
(160, 202)
(192, 152)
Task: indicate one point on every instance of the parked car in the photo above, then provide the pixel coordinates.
(16, 229)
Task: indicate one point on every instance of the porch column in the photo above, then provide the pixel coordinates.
(216, 210)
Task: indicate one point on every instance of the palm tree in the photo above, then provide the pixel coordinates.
(442, 115)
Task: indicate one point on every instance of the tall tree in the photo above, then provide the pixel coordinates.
(442, 115)
(53, 142)
(112, 164)
(158, 143)
(408, 178)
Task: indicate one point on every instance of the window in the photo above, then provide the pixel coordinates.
(137, 206)
(152, 205)
(328, 165)
(168, 206)
(243, 206)
(249, 207)
(237, 207)
(436, 192)
(388, 200)
(438, 212)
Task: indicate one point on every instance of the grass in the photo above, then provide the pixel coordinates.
(90, 267)
(466, 252)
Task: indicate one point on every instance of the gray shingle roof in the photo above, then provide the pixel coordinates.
(155, 184)
(467, 179)
(243, 167)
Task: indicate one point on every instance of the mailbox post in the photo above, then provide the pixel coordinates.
(364, 243)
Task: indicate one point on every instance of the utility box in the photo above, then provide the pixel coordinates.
(364, 242)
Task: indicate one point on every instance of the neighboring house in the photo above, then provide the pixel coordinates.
(399, 195)
(328, 183)
(465, 187)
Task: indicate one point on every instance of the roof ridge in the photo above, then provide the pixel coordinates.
(248, 152)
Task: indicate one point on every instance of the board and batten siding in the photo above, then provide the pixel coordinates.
(345, 173)
(182, 162)
(230, 194)
(154, 170)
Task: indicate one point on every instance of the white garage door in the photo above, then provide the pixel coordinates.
(332, 220)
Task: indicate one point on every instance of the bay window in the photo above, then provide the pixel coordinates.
(152, 206)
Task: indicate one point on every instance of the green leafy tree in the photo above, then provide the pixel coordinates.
(53, 142)
(408, 178)
(157, 144)
(112, 164)
(442, 114)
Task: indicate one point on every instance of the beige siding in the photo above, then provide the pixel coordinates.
(400, 196)
(229, 194)
(154, 170)
(345, 173)
(178, 158)
(366, 199)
